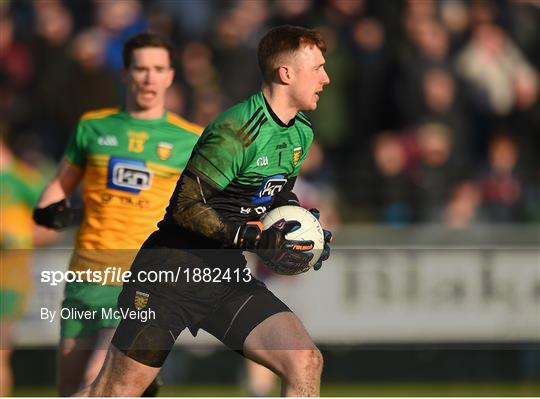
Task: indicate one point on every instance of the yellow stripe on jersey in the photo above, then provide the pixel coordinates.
(184, 124)
(163, 169)
(166, 176)
(98, 160)
(97, 156)
(99, 113)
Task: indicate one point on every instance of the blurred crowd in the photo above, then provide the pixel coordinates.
(432, 114)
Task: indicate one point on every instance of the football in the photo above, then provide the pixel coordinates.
(310, 228)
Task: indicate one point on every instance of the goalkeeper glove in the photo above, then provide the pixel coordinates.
(58, 215)
(280, 254)
(327, 240)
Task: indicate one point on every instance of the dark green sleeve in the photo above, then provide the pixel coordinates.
(191, 211)
(76, 148)
(219, 155)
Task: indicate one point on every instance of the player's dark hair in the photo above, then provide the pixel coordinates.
(142, 40)
(284, 39)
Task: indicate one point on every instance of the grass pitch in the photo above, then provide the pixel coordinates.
(344, 390)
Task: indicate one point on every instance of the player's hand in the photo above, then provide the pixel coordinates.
(327, 240)
(58, 215)
(282, 255)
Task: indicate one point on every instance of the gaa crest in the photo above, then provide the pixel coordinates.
(297, 151)
(141, 299)
(164, 150)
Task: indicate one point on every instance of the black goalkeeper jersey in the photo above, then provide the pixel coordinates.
(248, 155)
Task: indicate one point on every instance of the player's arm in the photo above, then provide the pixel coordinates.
(192, 212)
(53, 209)
(216, 160)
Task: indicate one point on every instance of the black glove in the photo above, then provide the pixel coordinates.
(281, 255)
(58, 215)
(327, 240)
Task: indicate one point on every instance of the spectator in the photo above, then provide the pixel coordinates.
(442, 104)
(525, 28)
(489, 63)
(299, 12)
(193, 17)
(118, 20)
(207, 106)
(430, 43)
(232, 38)
(88, 84)
(392, 192)
(367, 80)
(455, 17)
(501, 183)
(175, 99)
(462, 210)
(340, 14)
(435, 174)
(50, 51)
(15, 59)
(525, 120)
(199, 75)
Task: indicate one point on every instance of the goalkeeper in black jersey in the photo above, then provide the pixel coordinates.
(244, 164)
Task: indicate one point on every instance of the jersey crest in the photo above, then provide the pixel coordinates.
(164, 150)
(297, 152)
(141, 300)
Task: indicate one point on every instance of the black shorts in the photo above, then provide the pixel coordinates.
(197, 288)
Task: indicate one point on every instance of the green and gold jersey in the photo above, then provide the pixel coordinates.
(249, 155)
(130, 170)
(19, 192)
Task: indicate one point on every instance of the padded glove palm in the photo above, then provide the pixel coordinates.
(280, 254)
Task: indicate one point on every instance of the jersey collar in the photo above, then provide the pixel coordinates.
(275, 117)
(145, 121)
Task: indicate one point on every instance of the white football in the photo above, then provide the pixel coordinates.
(310, 228)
